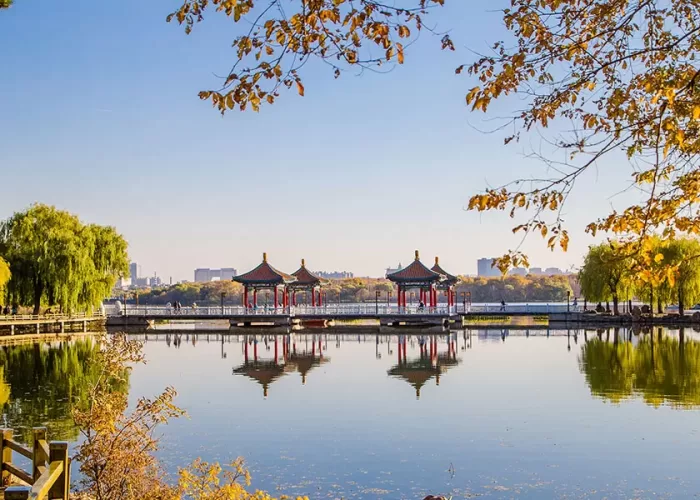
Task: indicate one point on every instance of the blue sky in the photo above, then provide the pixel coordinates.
(99, 115)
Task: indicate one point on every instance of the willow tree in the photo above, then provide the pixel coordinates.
(4, 277)
(605, 274)
(58, 261)
(684, 256)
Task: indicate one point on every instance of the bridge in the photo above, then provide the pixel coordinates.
(328, 314)
(49, 323)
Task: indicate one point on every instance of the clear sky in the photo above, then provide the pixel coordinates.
(99, 115)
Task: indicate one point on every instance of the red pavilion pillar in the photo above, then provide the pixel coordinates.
(398, 296)
(319, 299)
(255, 297)
(245, 297)
(294, 298)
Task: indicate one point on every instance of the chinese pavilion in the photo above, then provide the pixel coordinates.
(448, 285)
(416, 275)
(265, 277)
(306, 281)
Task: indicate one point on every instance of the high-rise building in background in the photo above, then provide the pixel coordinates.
(485, 269)
(536, 271)
(204, 274)
(134, 272)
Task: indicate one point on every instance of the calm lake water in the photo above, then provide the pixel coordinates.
(497, 414)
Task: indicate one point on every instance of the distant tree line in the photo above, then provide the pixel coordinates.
(57, 261)
(671, 274)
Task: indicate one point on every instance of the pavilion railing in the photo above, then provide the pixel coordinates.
(50, 475)
(50, 317)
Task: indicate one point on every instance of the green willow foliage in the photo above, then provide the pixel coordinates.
(56, 260)
(45, 382)
(4, 275)
(607, 274)
(662, 370)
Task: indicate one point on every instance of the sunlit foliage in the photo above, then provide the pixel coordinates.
(617, 75)
(279, 37)
(515, 288)
(56, 260)
(4, 277)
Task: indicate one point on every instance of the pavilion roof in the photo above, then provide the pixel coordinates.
(264, 274)
(415, 272)
(305, 362)
(450, 278)
(304, 277)
(263, 372)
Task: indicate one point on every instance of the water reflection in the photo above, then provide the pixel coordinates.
(418, 372)
(42, 382)
(662, 369)
(266, 371)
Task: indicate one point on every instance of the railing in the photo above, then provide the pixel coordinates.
(361, 309)
(336, 309)
(50, 477)
(49, 317)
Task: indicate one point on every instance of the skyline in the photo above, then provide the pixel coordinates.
(119, 137)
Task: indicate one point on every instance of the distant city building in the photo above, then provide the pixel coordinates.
(122, 283)
(518, 271)
(334, 275)
(155, 281)
(390, 270)
(204, 275)
(485, 269)
(134, 272)
(140, 282)
(536, 271)
(551, 271)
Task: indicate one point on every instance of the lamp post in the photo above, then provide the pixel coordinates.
(568, 296)
(223, 294)
(125, 313)
(376, 301)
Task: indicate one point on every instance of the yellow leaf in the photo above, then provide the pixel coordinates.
(696, 112)
(658, 258)
(300, 88)
(399, 48)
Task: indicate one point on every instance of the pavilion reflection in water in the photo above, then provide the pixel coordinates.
(429, 364)
(266, 371)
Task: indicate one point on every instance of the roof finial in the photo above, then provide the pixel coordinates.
(303, 263)
(437, 260)
(264, 256)
(417, 256)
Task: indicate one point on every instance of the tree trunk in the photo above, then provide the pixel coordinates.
(651, 300)
(616, 301)
(38, 292)
(681, 304)
(659, 306)
(585, 304)
(607, 306)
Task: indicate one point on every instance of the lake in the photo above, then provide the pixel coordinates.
(499, 413)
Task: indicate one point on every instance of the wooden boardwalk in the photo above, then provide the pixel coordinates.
(49, 323)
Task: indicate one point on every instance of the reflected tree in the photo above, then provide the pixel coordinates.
(42, 383)
(663, 370)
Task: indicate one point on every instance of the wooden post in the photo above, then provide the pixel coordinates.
(58, 451)
(63, 327)
(12, 329)
(40, 448)
(6, 456)
(17, 492)
(38, 328)
(85, 326)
